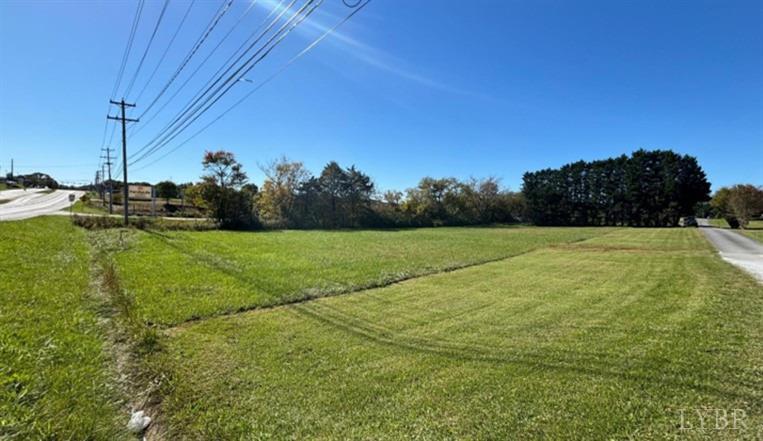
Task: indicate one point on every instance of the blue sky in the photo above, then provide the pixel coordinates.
(406, 89)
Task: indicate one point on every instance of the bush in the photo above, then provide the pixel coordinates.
(96, 222)
(732, 221)
(141, 223)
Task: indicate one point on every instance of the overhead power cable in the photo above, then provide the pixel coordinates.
(123, 64)
(158, 111)
(166, 50)
(126, 54)
(195, 109)
(148, 48)
(285, 66)
(224, 7)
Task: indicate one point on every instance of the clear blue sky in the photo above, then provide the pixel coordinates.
(407, 89)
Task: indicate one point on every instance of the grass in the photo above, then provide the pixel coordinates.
(54, 376)
(177, 276)
(754, 230)
(81, 207)
(500, 333)
(607, 338)
(719, 222)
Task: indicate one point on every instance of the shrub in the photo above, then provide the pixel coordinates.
(732, 221)
(141, 223)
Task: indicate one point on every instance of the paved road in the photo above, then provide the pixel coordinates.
(33, 202)
(736, 248)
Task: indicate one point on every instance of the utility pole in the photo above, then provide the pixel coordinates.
(103, 187)
(124, 120)
(108, 159)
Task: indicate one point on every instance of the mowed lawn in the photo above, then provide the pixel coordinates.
(755, 230)
(54, 375)
(608, 338)
(177, 276)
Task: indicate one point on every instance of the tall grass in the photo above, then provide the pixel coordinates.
(55, 375)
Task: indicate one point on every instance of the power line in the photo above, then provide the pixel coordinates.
(212, 52)
(207, 86)
(148, 47)
(304, 51)
(166, 50)
(53, 166)
(200, 109)
(213, 23)
(195, 109)
(126, 54)
(123, 64)
(204, 89)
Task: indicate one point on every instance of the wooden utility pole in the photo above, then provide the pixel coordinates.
(103, 187)
(124, 120)
(108, 159)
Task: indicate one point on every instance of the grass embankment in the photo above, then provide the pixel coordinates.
(603, 339)
(754, 230)
(718, 222)
(177, 276)
(81, 207)
(55, 383)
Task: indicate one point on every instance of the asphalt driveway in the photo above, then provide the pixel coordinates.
(739, 250)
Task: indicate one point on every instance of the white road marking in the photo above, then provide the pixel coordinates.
(34, 202)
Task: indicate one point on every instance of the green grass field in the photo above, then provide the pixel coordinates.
(177, 276)
(607, 338)
(491, 333)
(54, 375)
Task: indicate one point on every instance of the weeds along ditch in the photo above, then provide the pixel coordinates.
(136, 348)
(142, 223)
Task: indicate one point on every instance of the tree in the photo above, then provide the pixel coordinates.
(722, 208)
(745, 202)
(358, 192)
(279, 192)
(738, 204)
(166, 190)
(334, 184)
(223, 170)
(221, 190)
(649, 188)
(193, 194)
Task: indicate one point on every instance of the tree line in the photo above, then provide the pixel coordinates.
(647, 189)
(342, 197)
